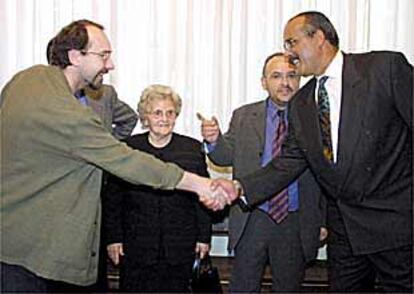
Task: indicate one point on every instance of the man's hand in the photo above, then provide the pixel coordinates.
(115, 251)
(217, 199)
(211, 202)
(214, 194)
(230, 190)
(210, 129)
(202, 249)
(214, 198)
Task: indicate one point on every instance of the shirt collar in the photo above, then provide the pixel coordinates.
(273, 108)
(334, 69)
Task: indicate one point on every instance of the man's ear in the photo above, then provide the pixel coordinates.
(320, 36)
(264, 83)
(74, 56)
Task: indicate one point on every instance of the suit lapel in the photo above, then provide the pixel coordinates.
(308, 129)
(257, 120)
(352, 105)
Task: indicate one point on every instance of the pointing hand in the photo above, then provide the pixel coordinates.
(210, 129)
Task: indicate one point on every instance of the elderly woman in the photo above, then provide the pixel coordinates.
(155, 234)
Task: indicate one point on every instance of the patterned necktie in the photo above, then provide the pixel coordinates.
(278, 205)
(324, 119)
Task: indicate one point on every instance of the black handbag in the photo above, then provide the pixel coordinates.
(205, 277)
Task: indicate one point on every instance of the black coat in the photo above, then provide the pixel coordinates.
(371, 182)
(153, 224)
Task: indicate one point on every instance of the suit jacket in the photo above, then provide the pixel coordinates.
(371, 182)
(155, 224)
(242, 147)
(117, 116)
(53, 149)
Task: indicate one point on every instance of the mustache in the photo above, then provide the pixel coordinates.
(101, 72)
(93, 84)
(286, 88)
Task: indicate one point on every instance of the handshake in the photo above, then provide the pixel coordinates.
(214, 194)
(222, 192)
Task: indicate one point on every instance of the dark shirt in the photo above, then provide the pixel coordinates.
(153, 224)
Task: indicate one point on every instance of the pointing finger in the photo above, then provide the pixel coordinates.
(200, 117)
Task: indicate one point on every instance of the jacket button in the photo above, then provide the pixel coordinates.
(368, 169)
(93, 253)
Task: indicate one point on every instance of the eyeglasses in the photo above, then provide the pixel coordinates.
(104, 55)
(159, 113)
(290, 43)
(291, 76)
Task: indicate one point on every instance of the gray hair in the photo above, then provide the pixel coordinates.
(156, 92)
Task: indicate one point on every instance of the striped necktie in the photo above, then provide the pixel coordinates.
(279, 204)
(324, 119)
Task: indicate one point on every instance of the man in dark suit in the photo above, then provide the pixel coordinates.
(257, 238)
(367, 175)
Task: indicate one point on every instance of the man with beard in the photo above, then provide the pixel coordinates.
(257, 238)
(118, 117)
(53, 152)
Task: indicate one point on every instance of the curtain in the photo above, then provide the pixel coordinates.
(210, 51)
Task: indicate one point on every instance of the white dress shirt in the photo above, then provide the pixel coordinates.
(333, 86)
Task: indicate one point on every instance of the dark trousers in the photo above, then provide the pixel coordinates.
(265, 242)
(158, 278)
(357, 273)
(17, 279)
